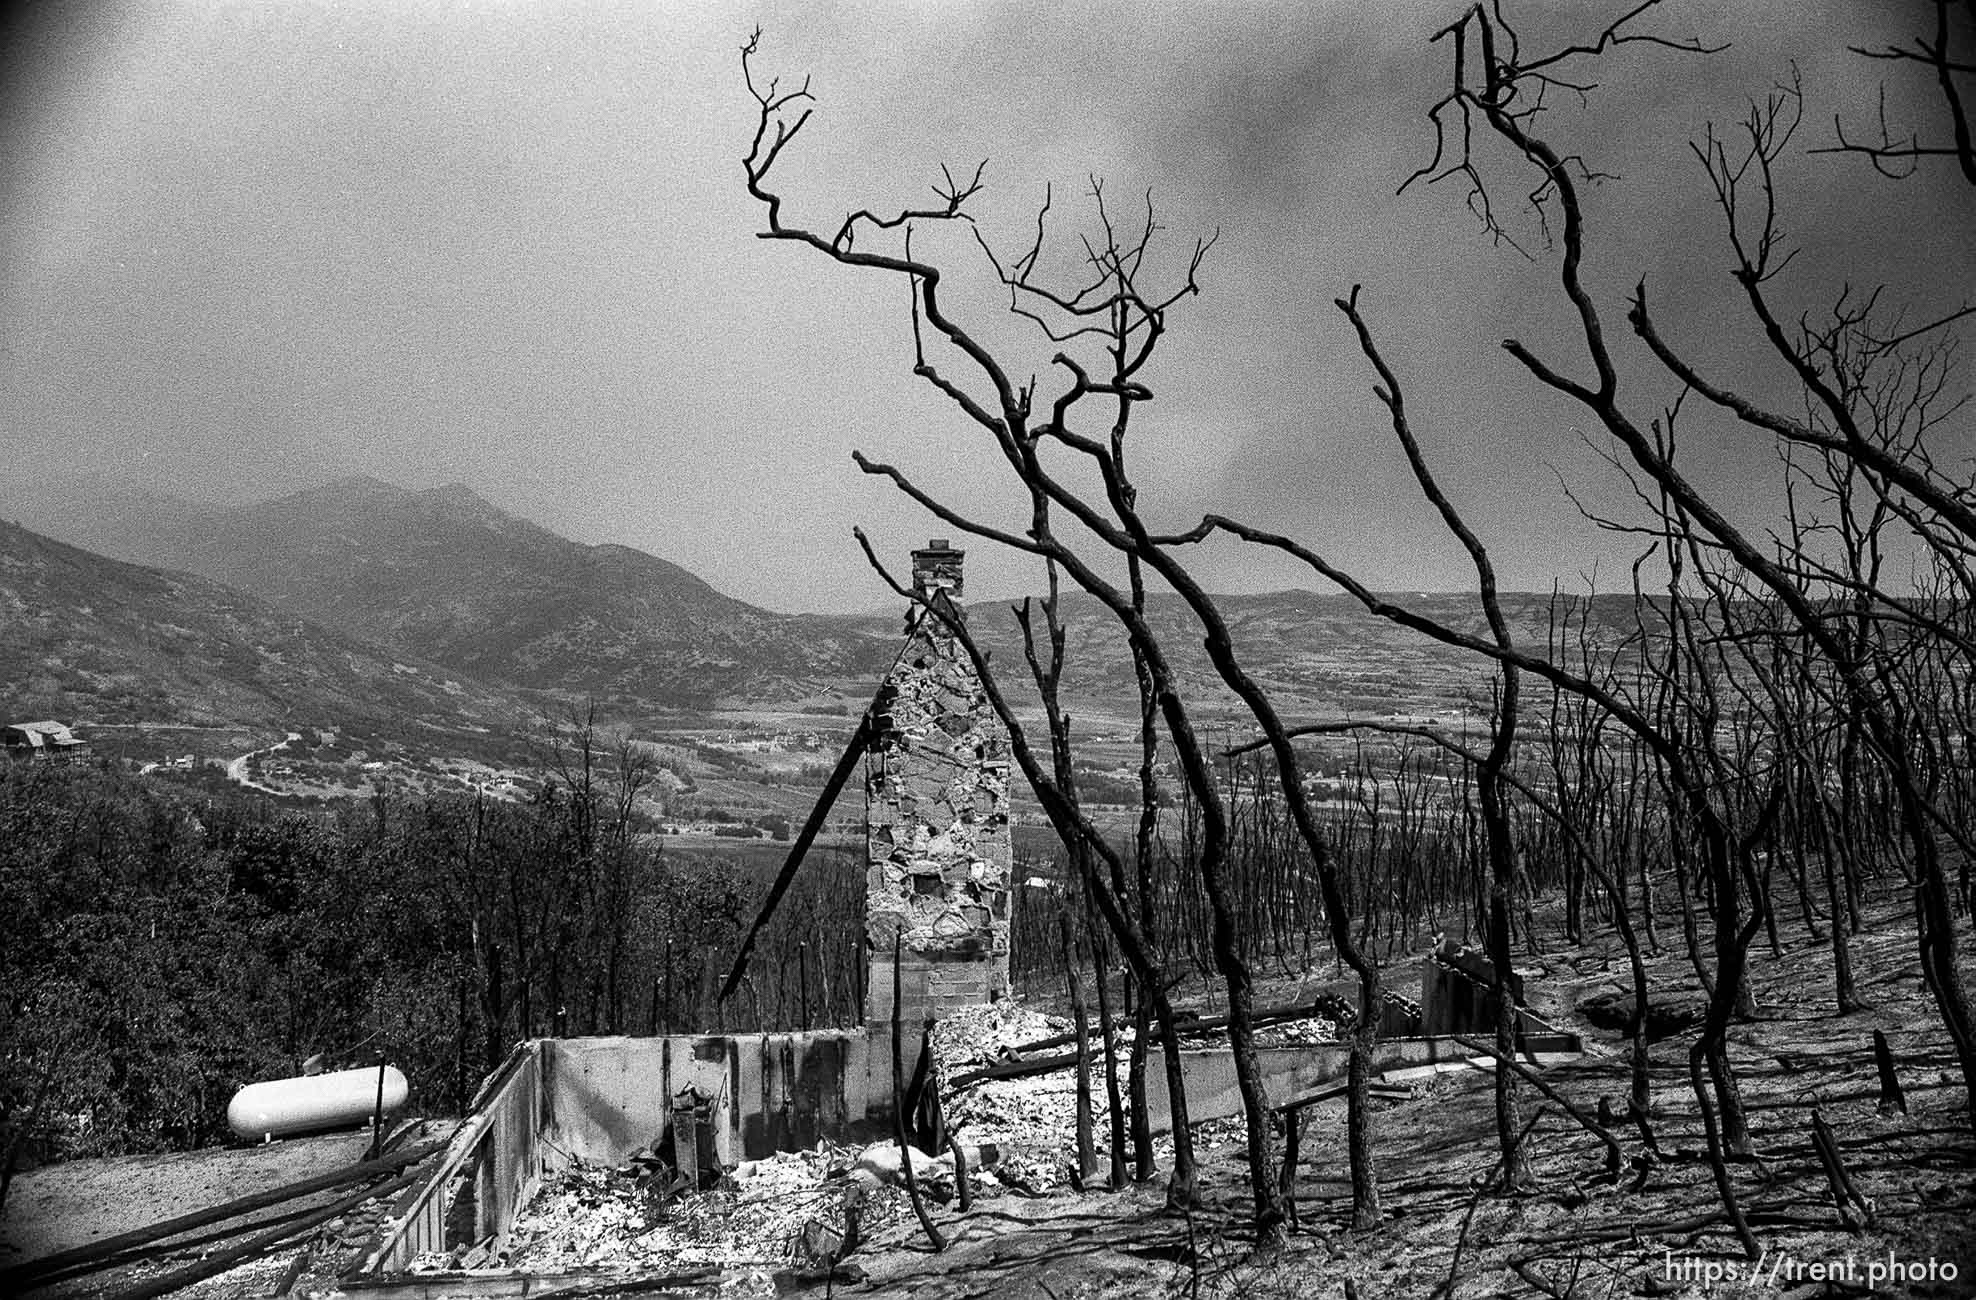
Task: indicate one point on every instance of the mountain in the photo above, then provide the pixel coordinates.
(91, 638)
(444, 575)
(441, 575)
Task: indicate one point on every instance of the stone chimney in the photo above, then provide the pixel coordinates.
(937, 567)
(939, 847)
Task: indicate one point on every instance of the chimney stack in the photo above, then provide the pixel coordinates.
(937, 567)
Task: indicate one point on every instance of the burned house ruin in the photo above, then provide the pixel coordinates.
(937, 928)
(938, 878)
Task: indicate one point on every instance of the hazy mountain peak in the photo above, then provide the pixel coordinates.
(442, 574)
(458, 502)
(175, 648)
(352, 485)
(458, 493)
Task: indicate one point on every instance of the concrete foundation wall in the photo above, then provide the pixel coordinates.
(611, 1097)
(600, 1100)
(1289, 1072)
(489, 1170)
(1455, 995)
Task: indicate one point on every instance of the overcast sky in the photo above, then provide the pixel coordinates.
(248, 247)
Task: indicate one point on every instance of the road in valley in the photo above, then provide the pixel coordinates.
(236, 768)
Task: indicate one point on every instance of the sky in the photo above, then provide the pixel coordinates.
(249, 247)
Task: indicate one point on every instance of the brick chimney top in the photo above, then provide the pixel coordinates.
(937, 567)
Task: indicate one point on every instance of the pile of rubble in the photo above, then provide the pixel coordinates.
(597, 1218)
(1302, 1033)
(794, 1210)
(1033, 1119)
(976, 1036)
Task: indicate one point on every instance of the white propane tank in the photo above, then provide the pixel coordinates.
(285, 1107)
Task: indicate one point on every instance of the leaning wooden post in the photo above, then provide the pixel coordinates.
(1293, 1138)
(803, 980)
(899, 1108)
(1087, 1159)
(686, 1136)
(377, 1113)
(1109, 1037)
(1135, 1082)
(665, 1021)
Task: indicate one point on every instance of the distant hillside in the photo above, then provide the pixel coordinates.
(97, 640)
(445, 575)
(1320, 655)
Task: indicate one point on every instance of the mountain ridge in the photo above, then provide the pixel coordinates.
(106, 641)
(440, 575)
(444, 574)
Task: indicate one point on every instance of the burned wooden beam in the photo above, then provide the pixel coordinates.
(490, 1283)
(1854, 1212)
(1295, 1106)
(933, 1237)
(221, 1261)
(839, 775)
(22, 1274)
(1022, 1069)
(1185, 1025)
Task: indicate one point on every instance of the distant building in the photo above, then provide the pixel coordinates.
(41, 741)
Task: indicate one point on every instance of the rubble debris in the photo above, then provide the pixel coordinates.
(974, 1037)
(1026, 1105)
(804, 1214)
(1304, 1032)
(1324, 1019)
(823, 1245)
(686, 1158)
(806, 1210)
(1030, 1120)
(589, 1217)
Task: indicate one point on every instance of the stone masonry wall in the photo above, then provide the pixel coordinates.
(938, 843)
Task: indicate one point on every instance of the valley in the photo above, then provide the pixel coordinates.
(360, 639)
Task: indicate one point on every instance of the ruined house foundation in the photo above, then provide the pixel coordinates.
(938, 897)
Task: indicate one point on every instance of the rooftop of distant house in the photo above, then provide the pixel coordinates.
(44, 736)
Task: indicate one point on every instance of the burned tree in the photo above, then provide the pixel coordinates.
(1946, 52)
(1762, 659)
(1932, 503)
(1113, 317)
(1501, 93)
